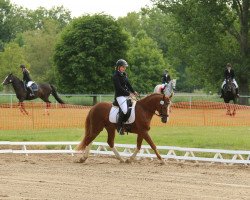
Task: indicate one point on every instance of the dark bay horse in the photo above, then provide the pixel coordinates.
(43, 92)
(98, 118)
(229, 91)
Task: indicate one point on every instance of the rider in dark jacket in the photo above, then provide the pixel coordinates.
(123, 90)
(26, 79)
(165, 79)
(229, 73)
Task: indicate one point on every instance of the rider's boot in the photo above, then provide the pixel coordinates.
(120, 123)
(31, 92)
(237, 92)
(222, 93)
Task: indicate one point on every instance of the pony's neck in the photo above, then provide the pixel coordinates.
(150, 103)
(17, 85)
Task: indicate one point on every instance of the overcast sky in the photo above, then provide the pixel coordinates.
(115, 8)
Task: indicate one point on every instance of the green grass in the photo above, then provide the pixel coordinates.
(235, 138)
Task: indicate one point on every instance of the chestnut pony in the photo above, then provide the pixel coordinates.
(98, 118)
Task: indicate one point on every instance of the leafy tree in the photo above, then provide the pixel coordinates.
(160, 28)
(86, 54)
(216, 32)
(39, 49)
(146, 63)
(14, 20)
(131, 23)
(39, 16)
(11, 59)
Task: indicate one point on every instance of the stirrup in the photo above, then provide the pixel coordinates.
(120, 130)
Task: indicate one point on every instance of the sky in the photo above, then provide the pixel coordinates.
(115, 8)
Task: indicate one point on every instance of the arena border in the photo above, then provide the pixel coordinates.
(125, 150)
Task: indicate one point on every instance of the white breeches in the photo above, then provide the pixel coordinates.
(29, 83)
(234, 82)
(122, 101)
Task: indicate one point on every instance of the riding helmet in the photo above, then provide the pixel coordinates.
(22, 66)
(121, 62)
(165, 71)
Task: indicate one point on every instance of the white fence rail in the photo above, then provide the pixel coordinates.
(125, 150)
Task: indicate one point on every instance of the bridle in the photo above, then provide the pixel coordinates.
(162, 102)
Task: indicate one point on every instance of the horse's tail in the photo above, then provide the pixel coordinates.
(81, 146)
(54, 93)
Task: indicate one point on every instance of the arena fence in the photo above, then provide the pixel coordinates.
(196, 113)
(126, 150)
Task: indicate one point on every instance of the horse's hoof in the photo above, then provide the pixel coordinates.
(122, 161)
(128, 161)
(163, 162)
(82, 160)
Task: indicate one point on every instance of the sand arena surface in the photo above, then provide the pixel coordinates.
(60, 177)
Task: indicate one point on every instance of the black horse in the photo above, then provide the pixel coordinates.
(43, 92)
(229, 90)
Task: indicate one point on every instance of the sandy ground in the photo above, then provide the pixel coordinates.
(60, 177)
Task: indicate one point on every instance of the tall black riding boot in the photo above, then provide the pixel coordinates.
(222, 93)
(237, 92)
(120, 123)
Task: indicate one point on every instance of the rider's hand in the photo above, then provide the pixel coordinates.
(131, 95)
(136, 94)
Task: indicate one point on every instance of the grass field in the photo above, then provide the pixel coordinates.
(235, 138)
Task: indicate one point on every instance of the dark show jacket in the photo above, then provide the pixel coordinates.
(122, 85)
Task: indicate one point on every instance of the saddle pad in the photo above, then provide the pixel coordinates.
(34, 86)
(113, 115)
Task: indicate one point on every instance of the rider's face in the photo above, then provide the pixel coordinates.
(122, 69)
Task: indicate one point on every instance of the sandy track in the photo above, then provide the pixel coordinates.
(60, 177)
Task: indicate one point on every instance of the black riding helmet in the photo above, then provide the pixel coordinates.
(22, 66)
(121, 62)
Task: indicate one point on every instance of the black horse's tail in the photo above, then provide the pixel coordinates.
(54, 93)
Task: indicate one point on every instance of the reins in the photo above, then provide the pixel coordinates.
(162, 103)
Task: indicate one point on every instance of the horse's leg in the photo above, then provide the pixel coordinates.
(228, 109)
(139, 142)
(110, 141)
(234, 108)
(152, 145)
(22, 108)
(47, 108)
(87, 146)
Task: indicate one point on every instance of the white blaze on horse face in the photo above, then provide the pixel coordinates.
(5, 80)
(168, 108)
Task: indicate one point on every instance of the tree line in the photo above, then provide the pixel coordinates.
(192, 39)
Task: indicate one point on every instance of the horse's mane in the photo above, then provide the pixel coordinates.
(148, 97)
(18, 79)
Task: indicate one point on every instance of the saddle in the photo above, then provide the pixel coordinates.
(34, 87)
(115, 110)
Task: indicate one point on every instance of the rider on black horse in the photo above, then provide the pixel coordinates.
(26, 79)
(123, 90)
(165, 79)
(229, 73)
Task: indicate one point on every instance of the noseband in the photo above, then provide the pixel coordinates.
(161, 110)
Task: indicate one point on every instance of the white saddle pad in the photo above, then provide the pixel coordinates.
(113, 115)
